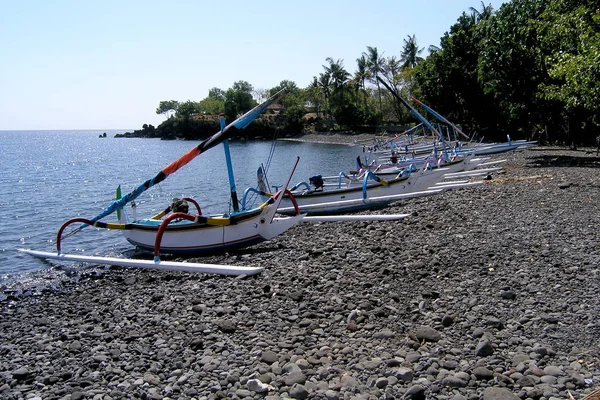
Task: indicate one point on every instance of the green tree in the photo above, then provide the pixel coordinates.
(326, 86)
(392, 74)
(167, 107)
(410, 52)
(511, 65)
(570, 32)
(401, 79)
(376, 63)
(290, 87)
(339, 77)
(187, 109)
(315, 96)
(183, 121)
(448, 78)
(294, 106)
(238, 100)
(216, 93)
(393, 68)
(532, 64)
(361, 75)
(484, 14)
(211, 106)
(433, 48)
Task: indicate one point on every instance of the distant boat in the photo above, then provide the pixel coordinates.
(315, 198)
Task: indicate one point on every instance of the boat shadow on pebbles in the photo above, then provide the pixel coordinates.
(485, 293)
(557, 161)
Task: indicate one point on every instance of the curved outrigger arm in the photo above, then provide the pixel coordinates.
(198, 219)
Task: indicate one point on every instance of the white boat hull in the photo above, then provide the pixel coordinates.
(189, 238)
(353, 198)
(499, 148)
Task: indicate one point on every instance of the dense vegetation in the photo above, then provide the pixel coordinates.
(530, 69)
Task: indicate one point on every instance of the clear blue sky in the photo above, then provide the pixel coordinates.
(107, 64)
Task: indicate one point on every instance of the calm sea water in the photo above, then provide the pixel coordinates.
(48, 177)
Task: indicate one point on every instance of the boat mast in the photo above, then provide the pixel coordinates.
(411, 109)
(421, 118)
(439, 116)
(234, 198)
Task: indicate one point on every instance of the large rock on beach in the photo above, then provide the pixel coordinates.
(487, 293)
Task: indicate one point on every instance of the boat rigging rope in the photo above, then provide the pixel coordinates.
(278, 122)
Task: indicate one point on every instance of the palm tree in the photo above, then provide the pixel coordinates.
(325, 85)
(361, 75)
(410, 52)
(375, 63)
(483, 15)
(393, 69)
(393, 75)
(314, 95)
(338, 75)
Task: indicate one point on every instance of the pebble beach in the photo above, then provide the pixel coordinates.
(489, 292)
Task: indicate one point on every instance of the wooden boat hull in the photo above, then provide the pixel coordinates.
(500, 148)
(353, 198)
(189, 238)
(459, 163)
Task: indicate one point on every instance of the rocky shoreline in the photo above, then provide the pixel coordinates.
(482, 293)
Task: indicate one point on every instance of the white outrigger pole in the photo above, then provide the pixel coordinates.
(234, 270)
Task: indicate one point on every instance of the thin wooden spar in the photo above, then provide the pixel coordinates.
(410, 108)
(439, 116)
(232, 189)
(209, 143)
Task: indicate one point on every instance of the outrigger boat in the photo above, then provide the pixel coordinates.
(470, 154)
(370, 192)
(185, 233)
(481, 149)
(452, 163)
(497, 148)
(419, 149)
